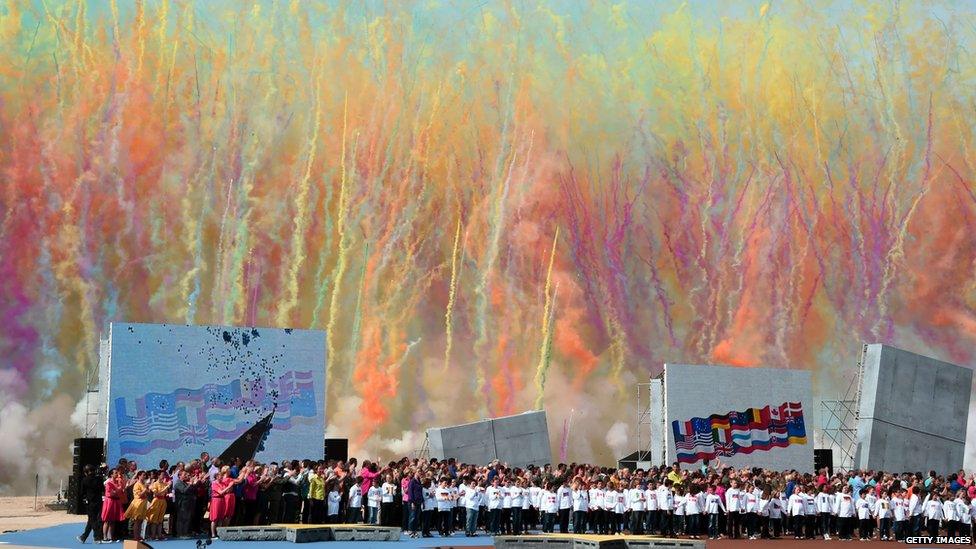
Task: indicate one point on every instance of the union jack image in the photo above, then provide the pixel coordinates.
(194, 434)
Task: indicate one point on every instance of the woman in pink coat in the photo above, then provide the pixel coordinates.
(112, 509)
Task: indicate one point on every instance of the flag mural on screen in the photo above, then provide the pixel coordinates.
(185, 418)
(755, 429)
(176, 391)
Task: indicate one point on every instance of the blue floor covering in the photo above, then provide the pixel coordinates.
(63, 536)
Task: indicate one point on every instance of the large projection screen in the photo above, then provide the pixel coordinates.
(914, 412)
(175, 391)
(745, 417)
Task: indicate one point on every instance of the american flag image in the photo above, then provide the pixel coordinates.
(739, 432)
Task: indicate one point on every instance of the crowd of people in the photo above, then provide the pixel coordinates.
(195, 498)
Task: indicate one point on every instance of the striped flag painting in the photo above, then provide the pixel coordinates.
(213, 412)
(754, 429)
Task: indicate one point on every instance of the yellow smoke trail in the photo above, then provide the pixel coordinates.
(79, 41)
(546, 355)
(192, 245)
(354, 338)
(618, 353)
(343, 249)
(169, 76)
(74, 288)
(540, 373)
(426, 136)
(141, 34)
(114, 9)
(301, 218)
(448, 325)
(160, 48)
(497, 225)
(706, 339)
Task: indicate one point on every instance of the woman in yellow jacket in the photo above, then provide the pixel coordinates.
(157, 509)
(316, 495)
(139, 507)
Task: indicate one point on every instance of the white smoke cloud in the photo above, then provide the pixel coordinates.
(35, 442)
(407, 444)
(618, 438)
(15, 430)
(79, 417)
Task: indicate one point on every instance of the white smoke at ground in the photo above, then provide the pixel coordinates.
(345, 414)
(585, 406)
(407, 444)
(35, 446)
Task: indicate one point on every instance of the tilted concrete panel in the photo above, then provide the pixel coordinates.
(914, 412)
(518, 440)
(523, 439)
(468, 443)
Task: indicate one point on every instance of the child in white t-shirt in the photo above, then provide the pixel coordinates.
(333, 498)
(373, 498)
(900, 514)
(884, 513)
(354, 503)
(713, 506)
(863, 507)
(963, 514)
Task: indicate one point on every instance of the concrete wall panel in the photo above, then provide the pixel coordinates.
(914, 411)
(517, 440)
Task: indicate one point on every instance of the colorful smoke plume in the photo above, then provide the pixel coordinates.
(743, 183)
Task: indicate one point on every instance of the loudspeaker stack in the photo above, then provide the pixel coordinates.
(87, 451)
(337, 449)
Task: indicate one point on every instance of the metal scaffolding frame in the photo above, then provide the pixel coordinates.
(645, 421)
(423, 454)
(91, 410)
(839, 418)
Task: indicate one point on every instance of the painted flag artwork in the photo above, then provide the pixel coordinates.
(186, 418)
(754, 429)
(176, 391)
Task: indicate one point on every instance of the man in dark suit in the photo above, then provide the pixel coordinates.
(92, 488)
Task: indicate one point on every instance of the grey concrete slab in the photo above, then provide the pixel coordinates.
(914, 412)
(523, 439)
(519, 440)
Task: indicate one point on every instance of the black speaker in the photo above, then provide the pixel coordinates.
(823, 457)
(87, 451)
(337, 449)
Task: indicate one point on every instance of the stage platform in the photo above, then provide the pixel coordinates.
(593, 541)
(63, 536)
(307, 533)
